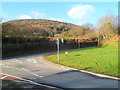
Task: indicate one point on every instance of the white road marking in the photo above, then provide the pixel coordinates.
(11, 67)
(36, 75)
(11, 61)
(6, 66)
(33, 60)
(17, 61)
(25, 69)
(4, 77)
(31, 72)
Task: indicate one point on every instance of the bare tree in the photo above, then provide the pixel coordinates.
(106, 26)
(88, 25)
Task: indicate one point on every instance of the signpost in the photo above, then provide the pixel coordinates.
(58, 49)
(62, 40)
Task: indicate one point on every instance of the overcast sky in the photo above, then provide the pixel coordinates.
(72, 12)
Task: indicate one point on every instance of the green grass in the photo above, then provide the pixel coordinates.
(99, 59)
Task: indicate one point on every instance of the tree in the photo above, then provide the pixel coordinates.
(65, 34)
(91, 34)
(107, 26)
(118, 23)
(77, 31)
(88, 26)
(1, 26)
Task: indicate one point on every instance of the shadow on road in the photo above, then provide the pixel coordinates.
(76, 79)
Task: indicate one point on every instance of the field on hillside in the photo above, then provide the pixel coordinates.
(102, 59)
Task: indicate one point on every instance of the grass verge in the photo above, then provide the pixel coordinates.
(102, 59)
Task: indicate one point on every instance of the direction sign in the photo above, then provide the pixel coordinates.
(57, 42)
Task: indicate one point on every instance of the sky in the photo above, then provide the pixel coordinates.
(78, 13)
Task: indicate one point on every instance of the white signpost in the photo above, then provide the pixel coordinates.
(62, 40)
(58, 49)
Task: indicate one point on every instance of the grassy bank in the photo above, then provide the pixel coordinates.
(100, 59)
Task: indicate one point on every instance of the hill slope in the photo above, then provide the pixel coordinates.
(36, 27)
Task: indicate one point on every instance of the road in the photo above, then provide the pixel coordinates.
(35, 68)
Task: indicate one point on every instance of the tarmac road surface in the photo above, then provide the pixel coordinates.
(35, 68)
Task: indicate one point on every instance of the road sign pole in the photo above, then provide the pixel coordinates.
(58, 49)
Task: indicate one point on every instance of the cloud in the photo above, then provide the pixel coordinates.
(33, 14)
(36, 14)
(25, 17)
(4, 17)
(55, 19)
(81, 12)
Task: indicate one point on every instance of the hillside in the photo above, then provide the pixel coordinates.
(37, 27)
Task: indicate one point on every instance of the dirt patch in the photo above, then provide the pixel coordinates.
(113, 39)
